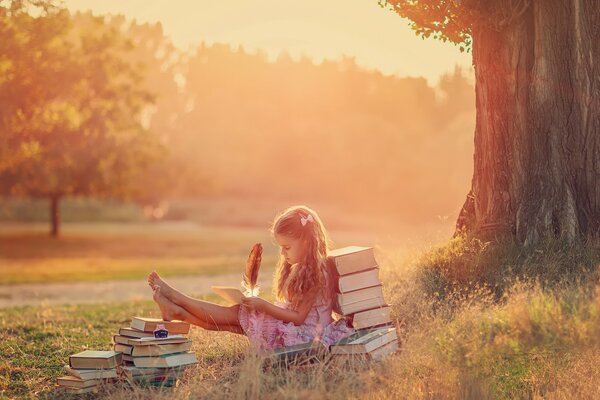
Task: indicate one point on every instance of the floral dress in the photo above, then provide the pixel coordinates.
(267, 332)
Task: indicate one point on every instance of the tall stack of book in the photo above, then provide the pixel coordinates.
(150, 360)
(90, 369)
(359, 299)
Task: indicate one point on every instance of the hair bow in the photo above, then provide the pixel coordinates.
(304, 220)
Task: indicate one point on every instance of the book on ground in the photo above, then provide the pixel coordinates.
(123, 348)
(153, 350)
(91, 389)
(166, 361)
(76, 383)
(364, 341)
(312, 348)
(132, 372)
(377, 354)
(91, 373)
(368, 304)
(149, 325)
(359, 280)
(230, 294)
(134, 333)
(360, 295)
(348, 260)
(369, 318)
(93, 359)
(175, 339)
(385, 350)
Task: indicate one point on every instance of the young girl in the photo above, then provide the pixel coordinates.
(302, 286)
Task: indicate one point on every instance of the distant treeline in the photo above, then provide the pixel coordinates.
(235, 124)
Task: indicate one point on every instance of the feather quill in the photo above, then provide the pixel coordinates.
(251, 272)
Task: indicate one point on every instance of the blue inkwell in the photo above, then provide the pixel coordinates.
(161, 332)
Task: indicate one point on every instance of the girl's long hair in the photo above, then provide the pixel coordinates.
(310, 276)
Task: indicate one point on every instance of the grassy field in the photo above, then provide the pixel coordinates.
(535, 342)
(475, 321)
(101, 251)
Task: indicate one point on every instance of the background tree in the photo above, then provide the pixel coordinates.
(70, 117)
(537, 136)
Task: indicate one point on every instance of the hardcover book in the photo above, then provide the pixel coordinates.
(359, 280)
(348, 260)
(166, 361)
(365, 341)
(149, 325)
(92, 359)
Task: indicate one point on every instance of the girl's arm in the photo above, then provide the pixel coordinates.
(297, 317)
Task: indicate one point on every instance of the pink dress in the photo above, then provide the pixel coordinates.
(267, 332)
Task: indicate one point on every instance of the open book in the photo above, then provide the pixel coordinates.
(230, 294)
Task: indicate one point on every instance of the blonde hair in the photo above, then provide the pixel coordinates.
(311, 276)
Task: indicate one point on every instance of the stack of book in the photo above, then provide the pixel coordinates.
(151, 360)
(90, 369)
(359, 299)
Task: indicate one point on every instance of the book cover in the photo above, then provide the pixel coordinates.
(134, 333)
(369, 318)
(300, 354)
(86, 374)
(376, 355)
(364, 305)
(149, 325)
(132, 372)
(91, 389)
(123, 348)
(93, 359)
(76, 383)
(166, 361)
(360, 295)
(161, 349)
(359, 280)
(365, 341)
(351, 259)
(175, 339)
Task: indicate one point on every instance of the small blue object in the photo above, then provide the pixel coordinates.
(161, 332)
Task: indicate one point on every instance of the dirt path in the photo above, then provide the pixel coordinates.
(107, 291)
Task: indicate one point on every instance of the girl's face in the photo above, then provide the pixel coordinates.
(291, 249)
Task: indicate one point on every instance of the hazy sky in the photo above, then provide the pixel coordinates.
(378, 38)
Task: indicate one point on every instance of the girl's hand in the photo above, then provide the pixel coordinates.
(254, 303)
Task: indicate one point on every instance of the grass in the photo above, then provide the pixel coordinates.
(533, 341)
(116, 251)
(101, 251)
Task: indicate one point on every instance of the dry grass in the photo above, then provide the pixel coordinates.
(532, 341)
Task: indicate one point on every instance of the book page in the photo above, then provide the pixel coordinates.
(230, 294)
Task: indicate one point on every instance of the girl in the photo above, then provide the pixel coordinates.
(302, 286)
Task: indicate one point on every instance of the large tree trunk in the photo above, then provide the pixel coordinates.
(55, 215)
(537, 138)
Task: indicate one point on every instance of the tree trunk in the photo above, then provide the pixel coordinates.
(55, 215)
(537, 137)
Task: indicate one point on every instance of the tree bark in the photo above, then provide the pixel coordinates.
(537, 137)
(55, 215)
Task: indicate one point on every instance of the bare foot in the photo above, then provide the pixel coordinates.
(169, 310)
(155, 281)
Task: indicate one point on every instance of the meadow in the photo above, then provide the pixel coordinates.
(531, 338)
(101, 251)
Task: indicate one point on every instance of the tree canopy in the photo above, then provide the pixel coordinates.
(71, 104)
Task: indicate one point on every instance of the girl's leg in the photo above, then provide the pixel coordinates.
(215, 313)
(171, 311)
